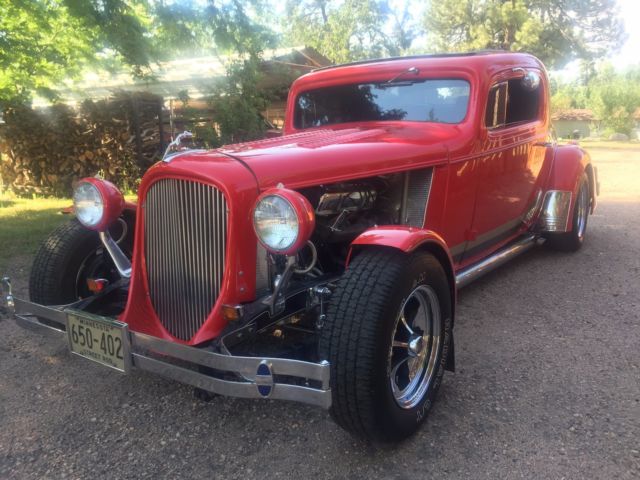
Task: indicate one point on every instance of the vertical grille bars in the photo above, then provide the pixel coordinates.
(185, 244)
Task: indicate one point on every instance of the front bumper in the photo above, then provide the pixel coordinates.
(255, 377)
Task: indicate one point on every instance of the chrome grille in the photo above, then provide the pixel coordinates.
(185, 243)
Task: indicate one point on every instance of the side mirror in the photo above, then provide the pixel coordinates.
(531, 81)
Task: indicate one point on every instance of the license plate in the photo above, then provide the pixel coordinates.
(99, 339)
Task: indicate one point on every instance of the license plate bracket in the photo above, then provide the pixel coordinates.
(100, 339)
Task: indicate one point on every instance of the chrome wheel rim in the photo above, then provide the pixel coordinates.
(583, 211)
(415, 347)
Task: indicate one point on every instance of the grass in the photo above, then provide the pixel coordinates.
(24, 223)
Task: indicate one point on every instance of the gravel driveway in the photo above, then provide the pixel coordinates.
(548, 386)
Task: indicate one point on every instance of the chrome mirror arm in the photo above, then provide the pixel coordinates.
(120, 260)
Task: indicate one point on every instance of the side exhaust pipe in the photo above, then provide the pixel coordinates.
(502, 256)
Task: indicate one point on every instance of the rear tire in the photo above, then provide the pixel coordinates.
(385, 373)
(572, 241)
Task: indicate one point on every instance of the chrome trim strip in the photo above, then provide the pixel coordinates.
(554, 216)
(469, 274)
(120, 260)
(245, 367)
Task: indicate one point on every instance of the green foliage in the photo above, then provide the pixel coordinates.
(614, 98)
(39, 45)
(241, 97)
(555, 31)
(345, 30)
(569, 96)
(43, 42)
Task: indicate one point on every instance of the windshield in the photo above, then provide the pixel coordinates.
(442, 101)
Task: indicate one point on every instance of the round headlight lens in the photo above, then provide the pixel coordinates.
(88, 204)
(276, 222)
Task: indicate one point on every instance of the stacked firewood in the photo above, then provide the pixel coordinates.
(45, 151)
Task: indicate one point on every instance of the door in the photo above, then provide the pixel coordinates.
(509, 170)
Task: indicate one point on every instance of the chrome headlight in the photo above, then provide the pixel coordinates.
(276, 223)
(283, 220)
(88, 204)
(97, 203)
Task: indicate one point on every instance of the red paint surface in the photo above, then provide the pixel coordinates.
(482, 179)
(240, 189)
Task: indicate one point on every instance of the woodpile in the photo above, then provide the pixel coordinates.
(45, 151)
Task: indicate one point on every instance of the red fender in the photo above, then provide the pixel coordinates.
(409, 239)
(569, 163)
(403, 238)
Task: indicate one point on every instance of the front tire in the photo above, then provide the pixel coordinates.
(66, 259)
(387, 337)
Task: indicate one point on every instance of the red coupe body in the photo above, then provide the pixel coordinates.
(303, 266)
(484, 184)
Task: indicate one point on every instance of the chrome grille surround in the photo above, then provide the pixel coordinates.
(185, 239)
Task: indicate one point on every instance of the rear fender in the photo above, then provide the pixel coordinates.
(408, 240)
(570, 162)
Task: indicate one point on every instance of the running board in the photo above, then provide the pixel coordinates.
(502, 256)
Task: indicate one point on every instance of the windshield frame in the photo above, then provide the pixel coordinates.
(382, 84)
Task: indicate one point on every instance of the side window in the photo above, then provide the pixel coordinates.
(512, 102)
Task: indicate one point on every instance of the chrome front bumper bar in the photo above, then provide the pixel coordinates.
(257, 377)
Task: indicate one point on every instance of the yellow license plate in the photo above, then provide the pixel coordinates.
(99, 339)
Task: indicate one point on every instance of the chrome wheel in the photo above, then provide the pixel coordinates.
(415, 347)
(583, 211)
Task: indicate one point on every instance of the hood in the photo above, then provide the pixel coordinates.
(333, 155)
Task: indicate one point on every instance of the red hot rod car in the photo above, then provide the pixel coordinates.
(321, 266)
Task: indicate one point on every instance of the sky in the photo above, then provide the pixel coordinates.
(628, 55)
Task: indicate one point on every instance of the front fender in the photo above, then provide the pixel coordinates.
(403, 238)
(409, 239)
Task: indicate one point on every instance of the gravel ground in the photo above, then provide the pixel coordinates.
(548, 386)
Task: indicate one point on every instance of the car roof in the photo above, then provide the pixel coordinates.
(474, 53)
(484, 63)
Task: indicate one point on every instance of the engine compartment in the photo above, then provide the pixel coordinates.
(344, 210)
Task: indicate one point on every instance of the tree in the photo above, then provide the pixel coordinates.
(556, 31)
(345, 30)
(565, 96)
(43, 42)
(614, 98)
